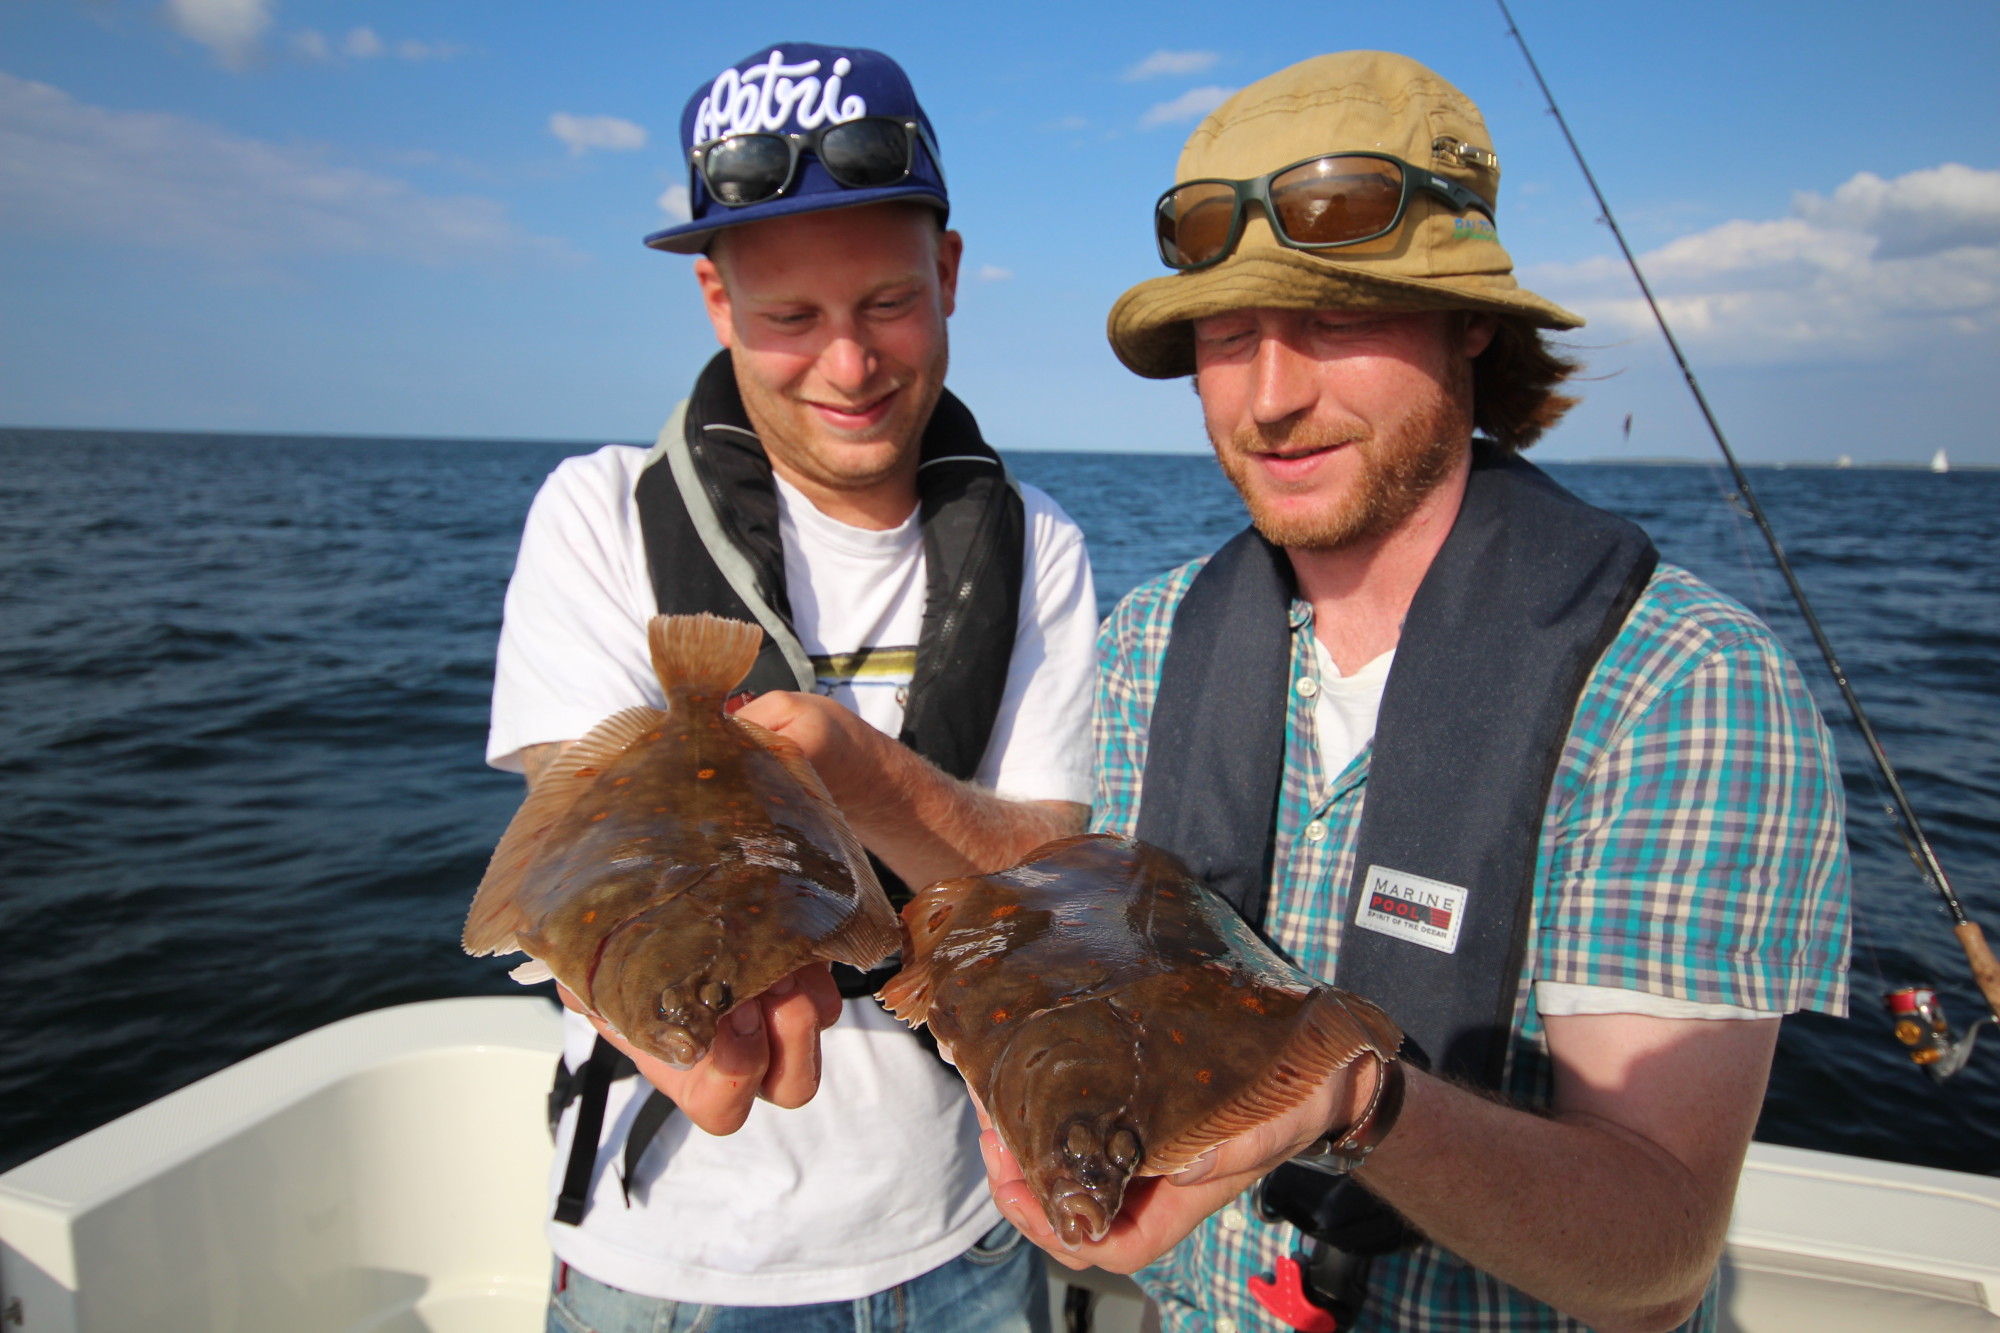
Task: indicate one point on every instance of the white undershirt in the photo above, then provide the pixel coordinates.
(1344, 712)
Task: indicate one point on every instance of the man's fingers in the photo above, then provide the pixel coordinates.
(791, 1020)
(816, 981)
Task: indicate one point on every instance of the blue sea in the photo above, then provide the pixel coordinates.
(243, 687)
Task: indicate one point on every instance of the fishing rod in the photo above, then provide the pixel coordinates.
(1920, 1022)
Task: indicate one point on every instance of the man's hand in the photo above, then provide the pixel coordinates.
(767, 1047)
(854, 760)
(925, 824)
(1159, 1211)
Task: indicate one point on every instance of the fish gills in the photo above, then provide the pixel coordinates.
(673, 864)
(1116, 1019)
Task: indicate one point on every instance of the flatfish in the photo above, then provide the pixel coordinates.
(1115, 1018)
(674, 864)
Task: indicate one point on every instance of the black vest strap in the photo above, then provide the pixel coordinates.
(1216, 744)
(719, 551)
(1526, 593)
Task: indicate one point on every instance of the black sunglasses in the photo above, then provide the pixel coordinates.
(860, 154)
(1318, 204)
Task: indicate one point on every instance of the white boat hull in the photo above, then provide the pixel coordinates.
(387, 1174)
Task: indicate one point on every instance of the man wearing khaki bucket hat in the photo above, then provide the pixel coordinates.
(1601, 849)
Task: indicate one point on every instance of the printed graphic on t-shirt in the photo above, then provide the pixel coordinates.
(878, 668)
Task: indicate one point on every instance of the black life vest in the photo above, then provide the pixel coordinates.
(708, 514)
(1527, 592)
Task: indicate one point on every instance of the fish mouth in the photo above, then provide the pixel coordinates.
(678, 1045)
(1079, 1216)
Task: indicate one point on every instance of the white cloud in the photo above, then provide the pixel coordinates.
(674, 202)
(70, 169)
(366, 44)
(411, 49)
(1068, 123)
(994, 273)
(607, 133)
(1921, 213)
(1879, 269)
(1190, 105)
(1170, 62)
(230, 28)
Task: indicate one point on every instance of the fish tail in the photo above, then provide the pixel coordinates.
(703, 654)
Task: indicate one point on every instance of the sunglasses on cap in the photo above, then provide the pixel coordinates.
(860, 154)
(1318, 204)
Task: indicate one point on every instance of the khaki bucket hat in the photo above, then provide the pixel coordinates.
(1361, 101)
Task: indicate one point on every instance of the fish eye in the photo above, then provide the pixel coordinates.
(1123, 1148)
(716, 995)
(1079, 1142)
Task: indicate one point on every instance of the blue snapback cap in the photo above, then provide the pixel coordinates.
(793, 88)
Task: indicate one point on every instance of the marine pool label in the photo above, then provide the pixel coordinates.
(1410, 907)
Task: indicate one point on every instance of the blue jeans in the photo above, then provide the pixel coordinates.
(997, 1286)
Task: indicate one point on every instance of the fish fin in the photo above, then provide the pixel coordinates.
(496, 916)
(703, 654)
(907, 995)
(873, 932)
(532, 971)
(1339, 1028)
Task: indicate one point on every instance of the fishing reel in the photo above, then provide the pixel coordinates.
(1921, 1026)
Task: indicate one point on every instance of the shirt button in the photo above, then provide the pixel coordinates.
(1234, 1220)
(1316, 831)
(1224, 1324)
(1307, 687)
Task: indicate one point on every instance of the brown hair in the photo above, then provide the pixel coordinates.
(1514, 398)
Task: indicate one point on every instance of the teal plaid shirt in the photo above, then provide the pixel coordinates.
(1692, 848)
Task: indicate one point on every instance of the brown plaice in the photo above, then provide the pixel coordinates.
(1115, 1018)
(674, 864)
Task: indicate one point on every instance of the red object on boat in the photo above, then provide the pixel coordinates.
(1284, 1295)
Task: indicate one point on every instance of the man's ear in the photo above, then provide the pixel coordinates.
(715, 300)
(1478, 334)
(950, 249)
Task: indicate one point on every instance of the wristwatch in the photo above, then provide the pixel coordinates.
(1337, 1152)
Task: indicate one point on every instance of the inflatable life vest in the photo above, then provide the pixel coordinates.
(708, 514)
(1526, 593)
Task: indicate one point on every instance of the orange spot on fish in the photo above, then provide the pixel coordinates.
(599, 815)
(621, 782)
(1008, 910)
(659, 809)
(1203, 1075)
(999, 1015)
(755, 910)
(1180, 1037)
(586, 772)
(704, 773)
(1252, 1003)
(590, 916)
(654, 735)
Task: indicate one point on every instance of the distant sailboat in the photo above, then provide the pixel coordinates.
(1846, 460)
(1939, 463)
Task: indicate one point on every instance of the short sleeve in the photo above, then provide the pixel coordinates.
(1696, 847)
(1040, 747)
(573, 639)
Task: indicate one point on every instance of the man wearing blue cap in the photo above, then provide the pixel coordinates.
(819, 480)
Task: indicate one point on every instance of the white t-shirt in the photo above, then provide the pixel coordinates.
(1344, 712)
(877, 1179)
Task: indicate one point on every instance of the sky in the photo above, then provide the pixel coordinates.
(424, 218)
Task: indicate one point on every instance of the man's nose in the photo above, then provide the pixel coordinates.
(847, 362)
(1283, 380)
